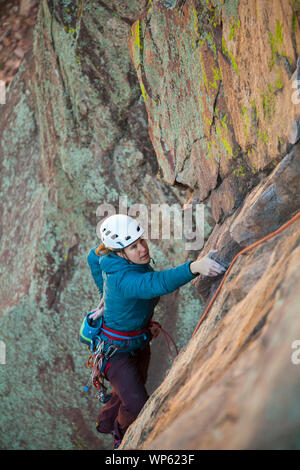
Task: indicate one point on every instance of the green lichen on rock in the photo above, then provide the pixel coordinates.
(77, 136)
(229, 54)
(277, 44)
(80, 127)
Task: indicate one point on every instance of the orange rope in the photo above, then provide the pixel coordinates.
(245, 250)
(167, 337)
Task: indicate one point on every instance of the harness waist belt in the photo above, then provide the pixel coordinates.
(113, 334)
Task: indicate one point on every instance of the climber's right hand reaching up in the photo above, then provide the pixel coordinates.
(207, 266)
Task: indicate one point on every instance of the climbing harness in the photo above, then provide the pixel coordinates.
(100, 356)
(93, 334)
(128, 335)
(245, 250)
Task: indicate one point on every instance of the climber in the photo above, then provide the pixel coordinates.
(130, 289)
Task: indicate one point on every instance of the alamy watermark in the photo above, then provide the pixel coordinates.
(2, 352)
(188, 224)
(295, 357)
(2, 92)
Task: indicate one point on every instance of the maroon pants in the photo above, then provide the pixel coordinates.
(127, 375)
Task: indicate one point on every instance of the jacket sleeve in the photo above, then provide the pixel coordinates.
(93, 262)
(134, 284)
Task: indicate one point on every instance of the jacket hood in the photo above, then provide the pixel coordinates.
(112, 263)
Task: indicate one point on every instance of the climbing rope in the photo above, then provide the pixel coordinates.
(245, 250)
(167, 338)
(94, 361)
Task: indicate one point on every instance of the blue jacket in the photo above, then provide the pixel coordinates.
(128, 289)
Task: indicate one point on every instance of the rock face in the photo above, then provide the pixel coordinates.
(220, 95)
(169, 102)
(74, 136)
(221, 92)
(236, 384)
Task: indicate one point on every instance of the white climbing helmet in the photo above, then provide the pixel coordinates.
(119, 231)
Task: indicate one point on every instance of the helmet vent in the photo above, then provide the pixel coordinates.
(120, 230)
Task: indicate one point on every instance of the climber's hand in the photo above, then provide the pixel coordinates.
(207, 266)
(99, 311)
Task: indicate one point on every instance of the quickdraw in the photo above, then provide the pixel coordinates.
(95, 362)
